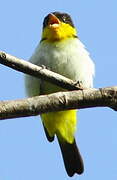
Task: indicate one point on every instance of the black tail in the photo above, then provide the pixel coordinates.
(72, 158)
(49, 138)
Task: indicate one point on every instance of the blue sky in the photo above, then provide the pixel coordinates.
(24, 150)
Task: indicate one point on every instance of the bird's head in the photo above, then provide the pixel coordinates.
(58, 26)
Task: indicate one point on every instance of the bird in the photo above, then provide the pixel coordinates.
(60, 50)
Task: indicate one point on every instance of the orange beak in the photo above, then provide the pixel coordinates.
(53, 20)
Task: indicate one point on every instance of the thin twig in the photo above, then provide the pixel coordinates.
(37, 71)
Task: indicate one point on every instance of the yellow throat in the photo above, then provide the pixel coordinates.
(57, 30)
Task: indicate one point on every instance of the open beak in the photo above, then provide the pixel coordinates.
(53, 20)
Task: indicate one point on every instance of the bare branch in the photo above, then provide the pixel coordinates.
(105, 97)
(37, 71)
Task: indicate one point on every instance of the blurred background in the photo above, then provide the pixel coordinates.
(24, 150)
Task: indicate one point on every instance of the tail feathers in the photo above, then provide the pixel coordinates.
(72, 158)
(49, 138)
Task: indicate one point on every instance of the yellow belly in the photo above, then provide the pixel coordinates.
(62, 123)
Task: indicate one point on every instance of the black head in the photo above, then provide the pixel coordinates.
(64, 17)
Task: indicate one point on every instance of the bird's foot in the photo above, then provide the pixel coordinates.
(80, 84)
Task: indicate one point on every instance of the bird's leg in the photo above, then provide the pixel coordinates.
(80, 84)
(43, 66)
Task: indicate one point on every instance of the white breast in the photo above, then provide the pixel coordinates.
(68, 58)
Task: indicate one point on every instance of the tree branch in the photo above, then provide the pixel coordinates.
(37, 71)
(105, 97)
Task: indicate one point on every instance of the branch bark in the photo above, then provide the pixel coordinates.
(37, 71)
(104, 97)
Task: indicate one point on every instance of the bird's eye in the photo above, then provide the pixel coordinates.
(64, 19)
